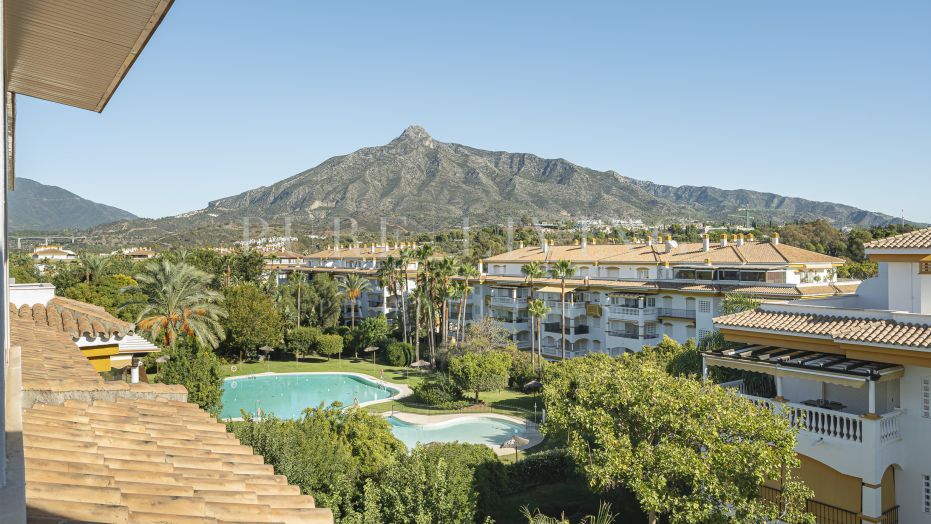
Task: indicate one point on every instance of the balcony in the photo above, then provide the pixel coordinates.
(554, 327)
(675, 313)
(572, 308)
(556, 351)
(831, 423)
(509, 301)
(632, 313)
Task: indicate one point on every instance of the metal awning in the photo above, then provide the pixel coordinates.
(812, 365)
(76, 52)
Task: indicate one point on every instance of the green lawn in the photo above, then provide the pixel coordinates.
(312, 364)
(506, 401)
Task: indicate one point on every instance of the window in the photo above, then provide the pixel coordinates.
(728, 274)
(643, 272)
(702, 333)
(704, 274)
(651, 302)
(926, 493)
(685, 274)
(924, 268)
(753, 276)
(704, 306)
(926, 397)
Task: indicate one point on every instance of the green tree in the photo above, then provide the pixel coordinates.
(329, 452)
(326, 309)
(23, 269)
(373, 331)
(688, 450)
(400, 353)
(303, 340)
(178, 301)
(352, 288)
(253, 320)
(94, 265)
(481, 371)
(329, 345)
(562, 270)
(108, 292)
(438, 484)
(198, 370)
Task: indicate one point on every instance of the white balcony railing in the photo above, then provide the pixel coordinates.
(828, 423)
(632, 312)
(508, 301)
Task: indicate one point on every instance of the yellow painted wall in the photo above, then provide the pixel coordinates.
(831, 486)
(888, 491)
(99, 356)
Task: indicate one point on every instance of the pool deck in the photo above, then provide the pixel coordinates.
(403, 390)
(532, 434)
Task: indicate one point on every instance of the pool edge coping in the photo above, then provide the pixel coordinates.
(403, 390)
(533, 433)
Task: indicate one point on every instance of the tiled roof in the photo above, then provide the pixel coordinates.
(75, 318)
(838, 327)
(135, 460)
(356, 252)
(685, 253)
(920, 239)
(99, 451)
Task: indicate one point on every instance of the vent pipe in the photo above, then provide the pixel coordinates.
(774, 238)
(740, 240)
(705, 243)
(723, 239)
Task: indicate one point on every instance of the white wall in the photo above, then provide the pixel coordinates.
(31, 294)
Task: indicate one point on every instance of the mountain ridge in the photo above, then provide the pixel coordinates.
(34, 206)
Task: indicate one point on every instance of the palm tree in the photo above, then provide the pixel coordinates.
(423, 254)
(179, 301)
(562, 270)
(352, 288)
(405, 257)
(531, 271)
(443, 272)
(537, 309)
(388, 276)
(297, 279)
(468, 272)
(94, 266)
(458, 292)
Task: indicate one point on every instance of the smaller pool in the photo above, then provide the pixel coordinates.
(287, 395)
(473, 430)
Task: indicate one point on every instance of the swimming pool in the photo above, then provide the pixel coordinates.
(473, 430)
(287, 395)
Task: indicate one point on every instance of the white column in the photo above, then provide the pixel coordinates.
(704, 369)
(872, 410)
(872, 503)
(779, 387)
(4, 256)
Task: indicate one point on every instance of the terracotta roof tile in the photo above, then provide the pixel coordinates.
(76, 319)
(684, 253)
(920, 239)
(128, 453)
(840, 328)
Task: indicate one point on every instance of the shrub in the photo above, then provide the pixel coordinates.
(328, 345)
(400, 354)
(198, 370)
(546, 467)
(439, 391)
(445, 483)
(522, 370)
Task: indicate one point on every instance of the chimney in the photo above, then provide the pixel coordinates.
(750, 237)
(520, 244)
(705, 243)
(585, 242)
(723, 239)
(594, 241)
(670, 244)
(336, 248)
(481, 267)
(740, 240)
(546, 246)
(387, 247)
(650, 240)
(774, 238)
(373, 249)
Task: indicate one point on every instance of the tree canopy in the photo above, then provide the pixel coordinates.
(690, 451)
(481, 371)
(253, 320)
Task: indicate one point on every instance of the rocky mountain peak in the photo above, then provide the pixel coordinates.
(416, 135)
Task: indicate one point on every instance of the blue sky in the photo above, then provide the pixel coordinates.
(827, 100)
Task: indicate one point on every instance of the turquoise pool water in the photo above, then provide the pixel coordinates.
(473, 430)
(287, 395)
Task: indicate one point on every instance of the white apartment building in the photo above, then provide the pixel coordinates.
(855, 372)
(621, 297)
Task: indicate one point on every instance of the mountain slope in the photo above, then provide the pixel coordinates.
(39, 207)
(434, 184)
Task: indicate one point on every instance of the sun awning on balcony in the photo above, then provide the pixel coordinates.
(811, 365)
(555, 289)
(76, 52)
